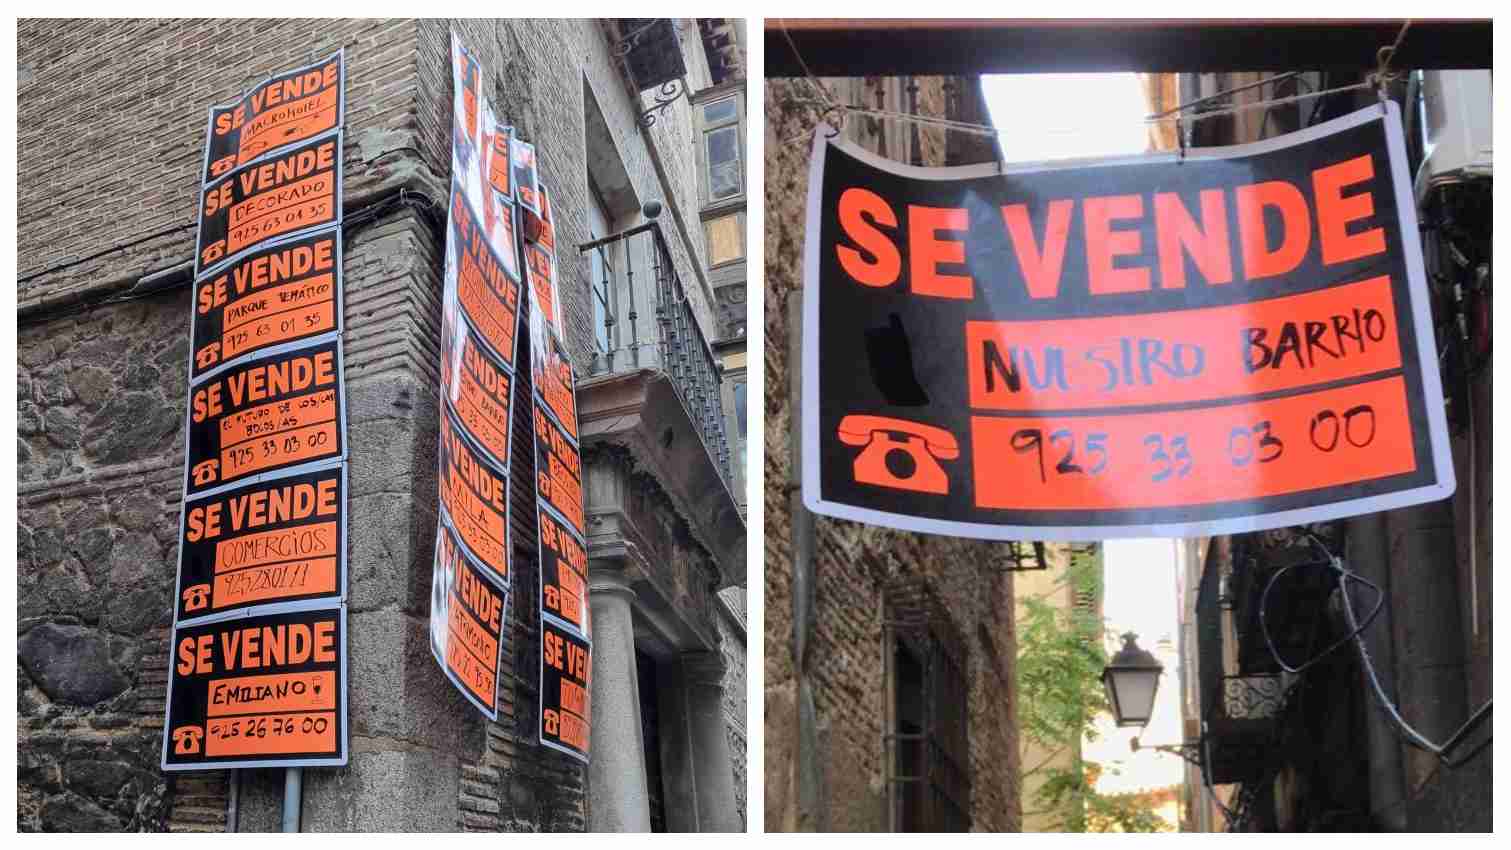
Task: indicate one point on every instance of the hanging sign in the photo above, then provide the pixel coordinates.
(563, 574)
(294, 190)
(288, 108)
(1145, 346)
(271, 541)
(522, 159)
(275, 412)
(475, 499)
(258, 691)
(468, 609)
(287, 292)
(485, 290)
(566, 680)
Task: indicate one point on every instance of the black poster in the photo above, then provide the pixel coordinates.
(261, 691)
(1143, 346)
(281, 540)
(286, 109)
(286, 193)
(287, 292)
(273, 413)
(566, 680)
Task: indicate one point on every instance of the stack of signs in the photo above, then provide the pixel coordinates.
(494, 183)
(257, 671)
(565, 632)
(480, 318)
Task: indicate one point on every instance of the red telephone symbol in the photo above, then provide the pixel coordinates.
(899, 454)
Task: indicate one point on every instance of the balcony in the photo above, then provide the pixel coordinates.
(654, 386)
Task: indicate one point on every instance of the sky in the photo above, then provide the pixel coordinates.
(1059, 116)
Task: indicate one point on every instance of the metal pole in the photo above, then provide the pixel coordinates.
(293, 797)
(233, 801)
(809, 816)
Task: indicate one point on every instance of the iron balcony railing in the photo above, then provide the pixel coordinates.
(642, 320)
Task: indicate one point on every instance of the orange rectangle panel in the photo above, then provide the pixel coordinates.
(1198, 456)
(476, 676)
(276, 212)
(269, 330)
(279, 692)
(272, 734)
(298, 119)
(467, 629)
(279, 299)
(1277, 344)
(276, 581)
(286, 448)
(276, 417)
(311, 540)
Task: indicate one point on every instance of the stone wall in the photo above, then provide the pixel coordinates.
(115, 110)
(733, 647)
(852, 562)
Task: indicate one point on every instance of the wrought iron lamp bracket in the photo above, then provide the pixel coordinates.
(671, 92)
(1191, 751)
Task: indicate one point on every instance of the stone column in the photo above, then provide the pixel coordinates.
(713, 771)
(617, 791)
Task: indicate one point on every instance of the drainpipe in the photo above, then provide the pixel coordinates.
(233, 801)
(808, 816)
(1366, 556)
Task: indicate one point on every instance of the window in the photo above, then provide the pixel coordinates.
(726, 239)
(721, 149)
(602, 259)
(927, 730)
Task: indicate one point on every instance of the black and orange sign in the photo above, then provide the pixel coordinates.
(478, 391)
(499, 174)
(271, 541)
(260, 691)
(558, 469)
(475, 500)
(287, 109)
(287, 292)
(566, 681)
(467, 616)
(281, 195)
(488, 296)
(563, 574)
(1137, 347)
(556, 385)
(271, 413)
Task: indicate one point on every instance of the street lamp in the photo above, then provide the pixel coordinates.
(1131, 679)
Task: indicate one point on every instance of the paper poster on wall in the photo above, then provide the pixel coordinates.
(267, 690)
(468, 610)
(1143, 346)
(286, 109)
(287, 292)
(289, 192)
(566, 683)
(279, 540)
(275, 412)
(475, 500)
(487, 296)
(522, 159)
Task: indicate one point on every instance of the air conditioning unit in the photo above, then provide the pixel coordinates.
(1455, 118)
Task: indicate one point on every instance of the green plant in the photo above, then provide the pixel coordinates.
(1061, 654)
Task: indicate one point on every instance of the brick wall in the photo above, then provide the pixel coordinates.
(852, 562)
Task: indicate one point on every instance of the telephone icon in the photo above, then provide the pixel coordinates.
(196, 597)
(899, 454)
(204, 472)
(186, 740)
